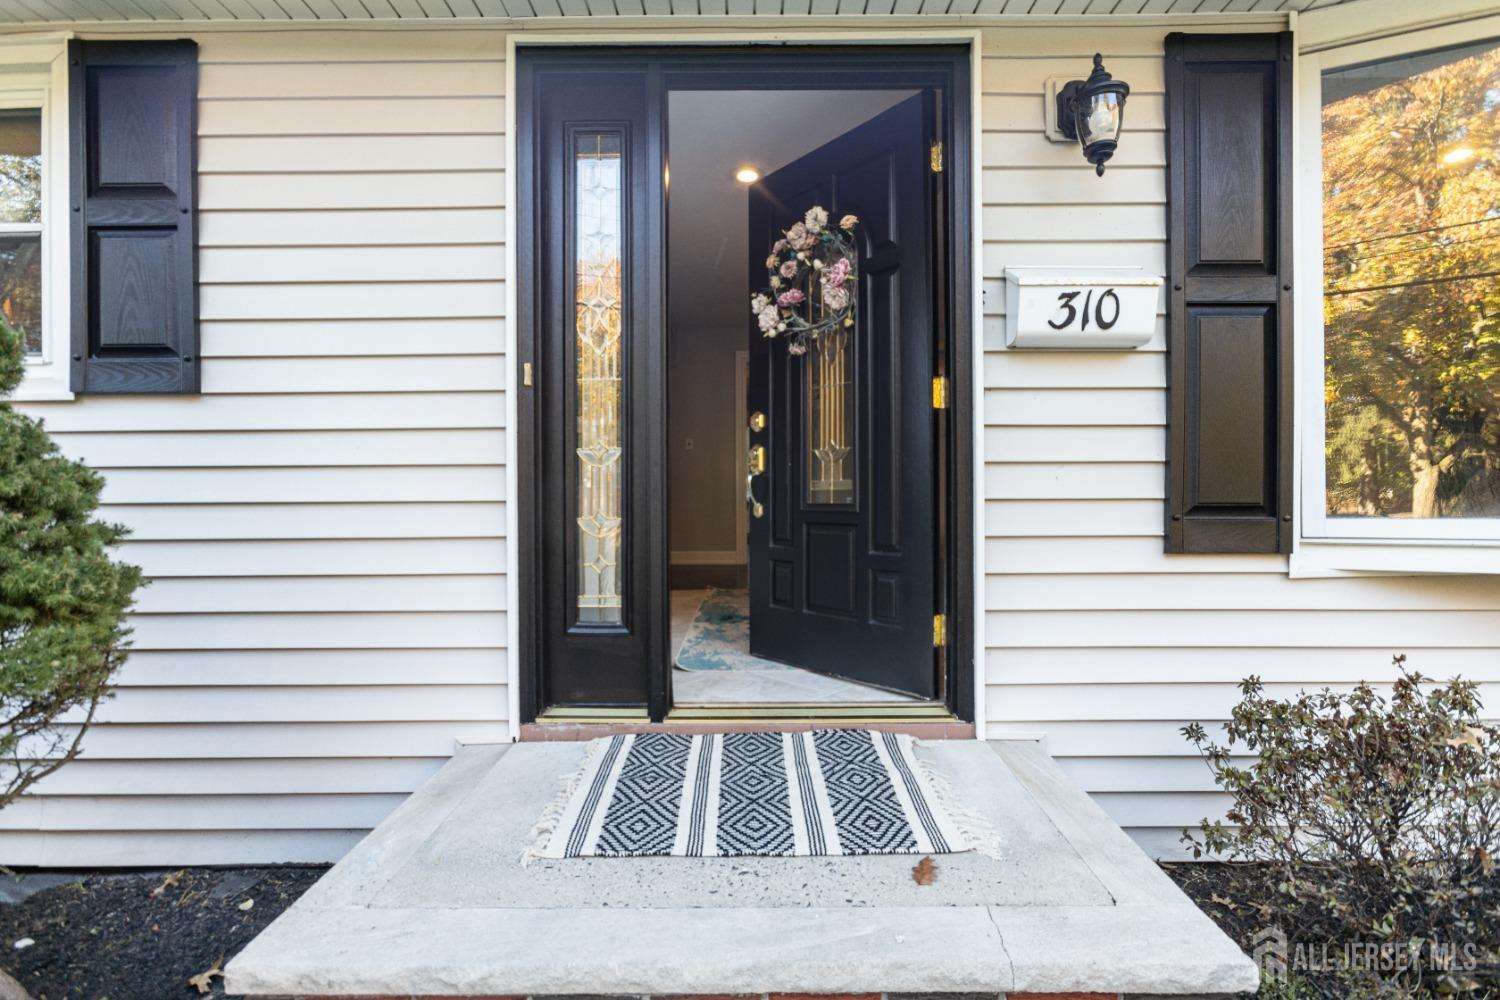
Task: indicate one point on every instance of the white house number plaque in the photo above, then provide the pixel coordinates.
(1101, 308)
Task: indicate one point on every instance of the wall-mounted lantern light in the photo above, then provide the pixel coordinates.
(1091, 111)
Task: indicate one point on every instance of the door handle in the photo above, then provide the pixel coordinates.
(755, 464)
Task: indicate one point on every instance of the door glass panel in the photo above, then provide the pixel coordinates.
(599, 221)
(830, 418)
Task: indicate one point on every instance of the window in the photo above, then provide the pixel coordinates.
(33, 216)
(1401, 393)
(21, 223)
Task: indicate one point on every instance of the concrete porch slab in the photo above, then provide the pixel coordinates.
(435, 903)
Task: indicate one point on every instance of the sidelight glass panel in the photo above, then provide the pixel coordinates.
(1411, 301)
(599, 223)
(830, 417)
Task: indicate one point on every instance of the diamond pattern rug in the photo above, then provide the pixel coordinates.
(833, 792)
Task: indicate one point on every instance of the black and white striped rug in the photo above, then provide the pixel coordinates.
(750, 794)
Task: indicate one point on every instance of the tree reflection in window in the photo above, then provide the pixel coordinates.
(1411, 237)
(21, 222)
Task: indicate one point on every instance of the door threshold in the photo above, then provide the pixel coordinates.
(926, 720)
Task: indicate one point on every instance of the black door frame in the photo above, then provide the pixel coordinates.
(743, 67)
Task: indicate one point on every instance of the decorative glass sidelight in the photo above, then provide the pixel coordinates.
(599, 221)
(830, 417)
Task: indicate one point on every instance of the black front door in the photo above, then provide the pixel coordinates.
(842, 547)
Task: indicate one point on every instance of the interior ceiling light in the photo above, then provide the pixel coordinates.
(747, 175)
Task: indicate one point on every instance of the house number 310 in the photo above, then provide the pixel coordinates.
(1069, 313)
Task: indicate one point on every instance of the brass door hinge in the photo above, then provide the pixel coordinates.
(935, 156)
(940, 631)
(940, 392)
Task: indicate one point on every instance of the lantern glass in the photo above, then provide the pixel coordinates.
(1101, 118)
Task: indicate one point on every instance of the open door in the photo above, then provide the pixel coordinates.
(843, 527)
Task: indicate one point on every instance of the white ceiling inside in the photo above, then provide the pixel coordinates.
(710, 135)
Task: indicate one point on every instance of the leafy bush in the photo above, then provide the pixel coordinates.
(1366, 821)
(62, 598)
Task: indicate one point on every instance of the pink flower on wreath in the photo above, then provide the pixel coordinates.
(777, 247)
(767, 320)
(790, 297)
(836, 275)
(789, 269)
(796, 347)
(835, 297)
(799, 238)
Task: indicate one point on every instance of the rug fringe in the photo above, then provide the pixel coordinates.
(976, 828)
(546, 824)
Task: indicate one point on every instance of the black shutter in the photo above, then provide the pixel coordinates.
(1229, 418)
(133, 118)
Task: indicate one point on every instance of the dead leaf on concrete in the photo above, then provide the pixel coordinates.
(925, 873)
(204, 980)
(168, 882)
(247, 904)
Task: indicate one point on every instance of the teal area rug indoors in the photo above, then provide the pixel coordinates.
(719, 636)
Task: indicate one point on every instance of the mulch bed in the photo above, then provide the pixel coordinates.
(142, 936)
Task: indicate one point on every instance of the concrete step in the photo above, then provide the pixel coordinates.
(435, 903)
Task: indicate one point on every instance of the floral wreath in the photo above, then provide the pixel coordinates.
(809, 247)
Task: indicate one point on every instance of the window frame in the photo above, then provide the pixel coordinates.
(34, 74)
(1327, 545)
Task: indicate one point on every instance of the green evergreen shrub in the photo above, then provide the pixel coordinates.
(1366, 828)
(62, 597)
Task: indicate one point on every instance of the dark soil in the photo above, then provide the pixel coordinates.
(142, 936)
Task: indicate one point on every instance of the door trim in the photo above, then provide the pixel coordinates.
(960, 297)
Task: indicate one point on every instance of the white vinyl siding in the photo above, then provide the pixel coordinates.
(325, 525)
(1097, 641)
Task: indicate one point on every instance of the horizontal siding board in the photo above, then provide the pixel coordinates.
(351, 484)
(172, 449)
(287, 776)
(1059, 186)
(324, 191)
(1073, 481)
(228, 522)
(318, 667)
(363, 116)
(1068, 554)
(371, 227)
(440, 373)
(1381, 630)
(1030, 148)
(1018, 74)
(1309, 666)
(1065, 248)
(1268, 592)
(374, 78)
(318, 557)
(414, 299)
(1077, 370)
(299, 154)
(1018, 407)
(266, 703)
(205, 595)
(1075, 444)
(282, 265)
(285, 338)
(209, 812)
(314, 411)
(170, 848)
(339, 630)
(1051, 518)
(328, 740)
(1096, 222)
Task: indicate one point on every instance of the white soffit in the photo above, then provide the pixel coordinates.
(252, 11)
